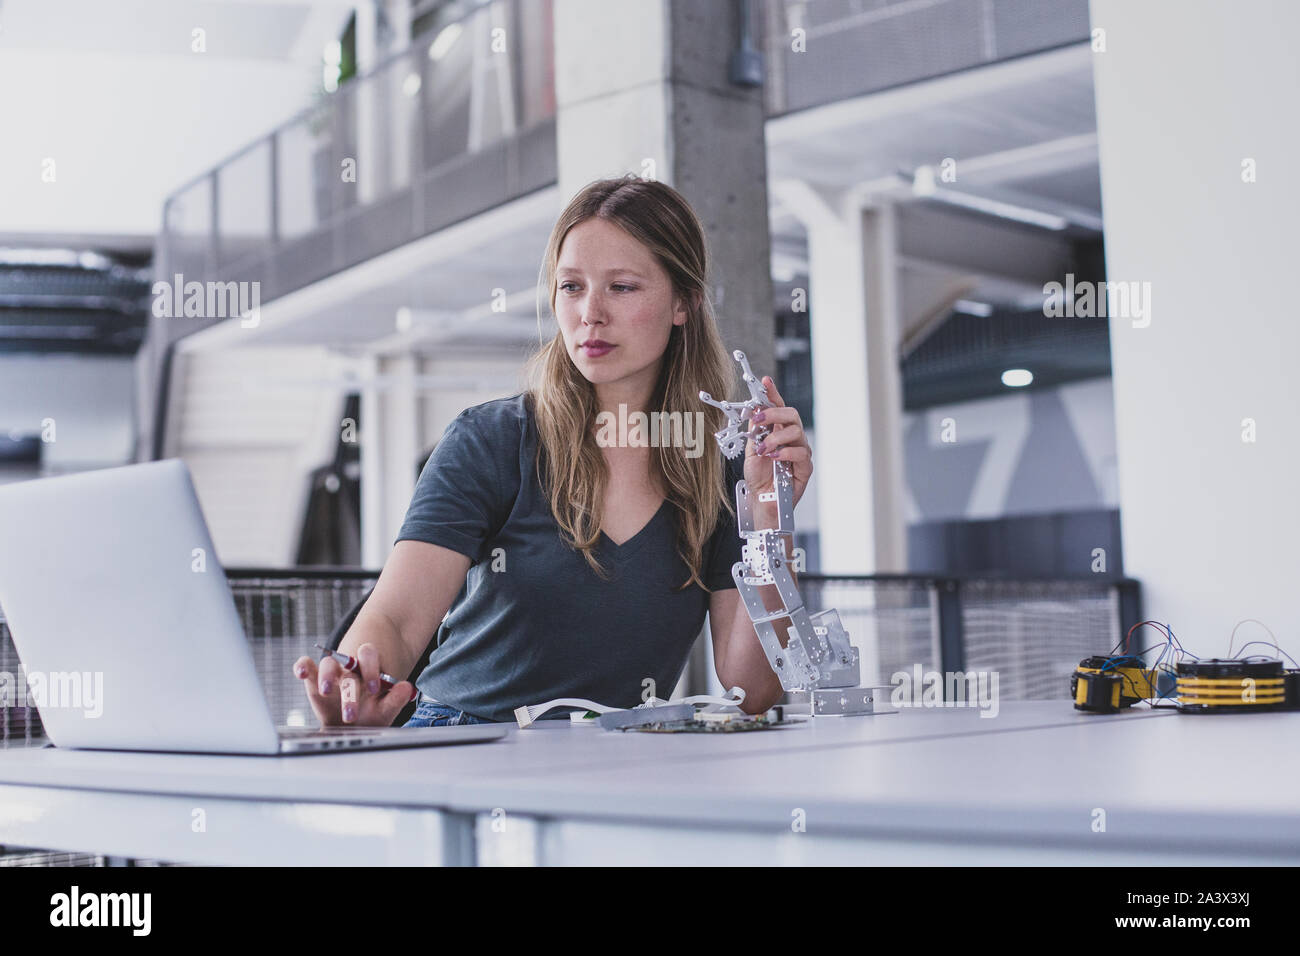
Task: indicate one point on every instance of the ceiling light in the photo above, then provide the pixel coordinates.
(1017, 377)
(982, 309)
(444, 41)
(923, 181)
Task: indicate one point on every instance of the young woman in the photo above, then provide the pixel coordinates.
(573, 567)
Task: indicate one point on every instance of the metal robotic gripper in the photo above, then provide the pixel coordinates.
(818, 657)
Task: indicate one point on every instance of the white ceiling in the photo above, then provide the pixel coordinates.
(1022, 133)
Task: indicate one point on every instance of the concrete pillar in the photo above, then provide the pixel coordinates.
(857, 387)
(642, 87)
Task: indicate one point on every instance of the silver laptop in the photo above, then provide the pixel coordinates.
(127, 629)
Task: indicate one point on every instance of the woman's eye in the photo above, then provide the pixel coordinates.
(619, 287)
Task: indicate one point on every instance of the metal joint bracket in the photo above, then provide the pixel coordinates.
(818, 657)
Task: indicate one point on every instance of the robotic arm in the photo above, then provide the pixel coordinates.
(818, 657)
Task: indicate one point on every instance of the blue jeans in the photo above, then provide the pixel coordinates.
(430, 714)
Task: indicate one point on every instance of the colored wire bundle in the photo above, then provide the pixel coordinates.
(1171, 654)
(1250, 620)
(1193, 684)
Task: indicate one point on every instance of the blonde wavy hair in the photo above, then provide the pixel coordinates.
(570, 465)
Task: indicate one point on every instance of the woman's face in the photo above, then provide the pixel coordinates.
(611, 289)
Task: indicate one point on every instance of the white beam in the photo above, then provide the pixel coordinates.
(401, 442)
(931, 314)
(429, 326)
(857, 389)
(374, 546)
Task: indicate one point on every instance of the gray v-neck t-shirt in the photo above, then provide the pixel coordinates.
(533, 621)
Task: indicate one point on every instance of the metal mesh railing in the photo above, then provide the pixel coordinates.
(891, 622)
(1032, 633)
(20, 724)
(284, 614)
(828, 50)
(442, 130)
(31, 856)
(22, 856)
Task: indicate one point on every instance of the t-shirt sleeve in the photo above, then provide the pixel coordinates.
(726, 537)
(462, 495)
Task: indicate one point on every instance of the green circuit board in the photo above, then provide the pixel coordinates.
(697, 726)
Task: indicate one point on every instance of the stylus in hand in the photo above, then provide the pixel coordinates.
(350, 663)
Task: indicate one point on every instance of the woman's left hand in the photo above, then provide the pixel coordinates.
(786, 442)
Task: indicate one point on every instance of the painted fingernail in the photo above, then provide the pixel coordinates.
(300, 672)
(414, 694)
(373, 687)
(760, 448)
(758, 417)
(349, 714)
(326, 686)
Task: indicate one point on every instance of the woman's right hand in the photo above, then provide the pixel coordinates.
(340, 697)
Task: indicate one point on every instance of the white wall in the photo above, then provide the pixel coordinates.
(1185, 92)
(88, 399)
(252, 424)
(499, 376)
(439, 407)
(162, 125)
(1019, 453)
(126, 110)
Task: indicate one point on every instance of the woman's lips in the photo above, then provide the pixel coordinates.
(595, 350)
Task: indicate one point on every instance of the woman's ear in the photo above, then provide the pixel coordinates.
(681, 311)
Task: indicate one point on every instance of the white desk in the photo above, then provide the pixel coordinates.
(920, 786)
